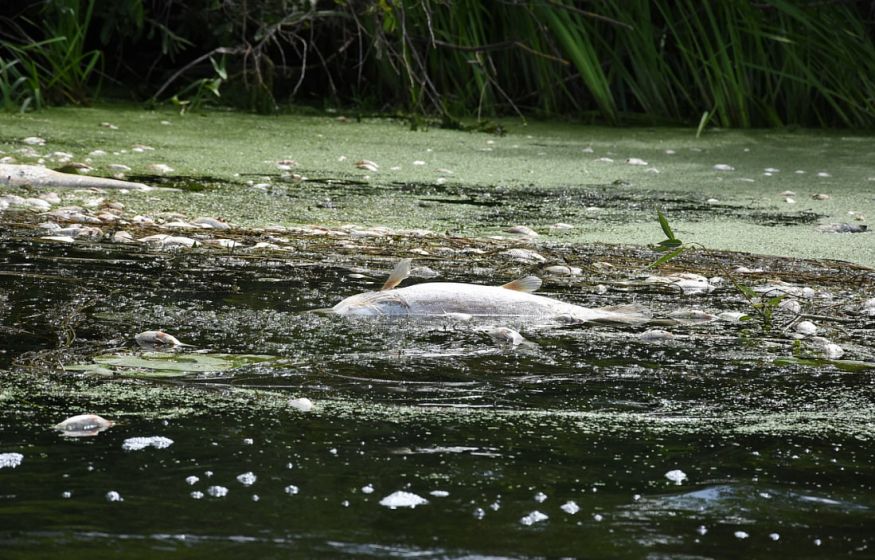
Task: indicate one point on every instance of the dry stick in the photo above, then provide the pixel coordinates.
(501, 46)
(195, 62)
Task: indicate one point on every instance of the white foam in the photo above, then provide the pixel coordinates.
(138, 443)
(403, 499)
(570, 507)
(11, 460)
(247, 478)
(534, 517)
(113, 496)
(217, 491)
(677, 476)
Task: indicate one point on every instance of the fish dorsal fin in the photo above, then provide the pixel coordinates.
(527, 284)
(402, 271)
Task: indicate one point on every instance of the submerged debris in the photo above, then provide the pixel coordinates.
(84, 425)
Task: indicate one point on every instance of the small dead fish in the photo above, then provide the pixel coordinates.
(790, 306)
(782, 288)
(169, 241)
(367, 165)
(210, 223)
(842, 228)
(161, 168)
(723, 167)
(559, 226)
(58, 238)
(84, 425)
(562, 270)
(689, 284)
(524, 256)
(693, 316)
(504, 336)
(302, 404)
(655, 335)
(122, 237)
(158, 339)
(829, 349)
(522, 230)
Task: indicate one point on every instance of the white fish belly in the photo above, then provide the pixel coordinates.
(440, 298)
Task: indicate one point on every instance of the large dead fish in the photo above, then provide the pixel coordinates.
(515, 299)
(35, 176)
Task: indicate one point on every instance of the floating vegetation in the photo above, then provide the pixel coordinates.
(160, 364)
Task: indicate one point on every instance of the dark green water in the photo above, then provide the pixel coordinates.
(782, 453)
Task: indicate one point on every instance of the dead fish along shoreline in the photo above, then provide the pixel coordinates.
(514, 300)
(40, 177)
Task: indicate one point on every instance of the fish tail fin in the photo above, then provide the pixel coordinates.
(402, 271)
(629, 314)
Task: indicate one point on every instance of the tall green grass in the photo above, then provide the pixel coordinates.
(740, 63)
(17, 92)
(57, 68)
(745, 63)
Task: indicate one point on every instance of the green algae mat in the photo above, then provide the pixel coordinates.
(763, 192)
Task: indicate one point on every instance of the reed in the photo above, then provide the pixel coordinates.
(741, 63)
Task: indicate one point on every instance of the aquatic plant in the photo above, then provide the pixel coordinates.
(17, 92)
(58, 68)
(763, 308)
(736, 63)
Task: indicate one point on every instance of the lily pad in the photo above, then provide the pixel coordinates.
(163, 364)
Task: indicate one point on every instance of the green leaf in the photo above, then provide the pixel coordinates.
(669, 244)
(747, 291)
(775, 301)
(666, 257)
(703, 122)
(663, 222)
